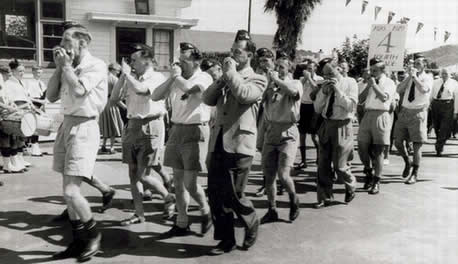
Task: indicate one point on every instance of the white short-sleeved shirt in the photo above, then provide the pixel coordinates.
(449, 89)
(92, 74)
(421, 99)
(141, 106)
(16, 90)
(36, 88)
(387, 86)
(307, 89)
(192, 110)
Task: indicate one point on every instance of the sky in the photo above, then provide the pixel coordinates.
(331, 21)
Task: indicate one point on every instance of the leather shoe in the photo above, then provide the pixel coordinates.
(176, 231)
(375, 188)
(322, 204)
(135, 219)
(73, 250)
(91, 248)
(368, 179)
(412, 179)
(206, 223)
(224, 246)
(349, 196)
(294, 209)
(270, 217)
(107, 199)
(251, 234)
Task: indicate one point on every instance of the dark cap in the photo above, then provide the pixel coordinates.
(208, 63)
(5, 69)
(282, 55)
(418, 56)
(264, 52)
(321, 65)
(195, 51)
(146, 50)
(374, 61)
(242, 34)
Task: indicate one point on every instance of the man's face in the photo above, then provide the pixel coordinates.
(311, 67)
(445, 74)
(328, 71)
(419, 64)
(138, 63)
(266, 64)
(376, 71)
(215, 72)
(186, 62)
(37, 74)
(344, 67)
(19, 72)
(239, 53)
(71, 44)
(282, 67)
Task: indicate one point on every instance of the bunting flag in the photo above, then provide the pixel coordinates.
(391, 14)
(419, 27)
(446, 36)
(348, 1)
(363, 9)
(377, 10)
(405, 20)
(435, 33)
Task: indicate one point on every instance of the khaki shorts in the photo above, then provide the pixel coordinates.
(412, 125)
(76, 145)
(375, 128)
(187, 147)
(280, 145)
(143, 141)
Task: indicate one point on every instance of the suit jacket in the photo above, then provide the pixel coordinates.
(236, 97)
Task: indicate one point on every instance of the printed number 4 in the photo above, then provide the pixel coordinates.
(387, 44)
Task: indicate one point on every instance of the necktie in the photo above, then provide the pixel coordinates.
(441, 90)
(411, 96)
(330, 111)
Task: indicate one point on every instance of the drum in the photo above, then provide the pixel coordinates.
(44, 125)
(19, 123)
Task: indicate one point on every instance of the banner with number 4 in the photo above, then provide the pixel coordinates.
(387, 42)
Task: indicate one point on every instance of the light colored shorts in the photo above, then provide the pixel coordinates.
(76, 146)
(143, 141)
(412, 125)
(280, 145)
(187, 147)
(375, 128)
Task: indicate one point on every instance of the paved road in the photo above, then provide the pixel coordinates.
(403, 224)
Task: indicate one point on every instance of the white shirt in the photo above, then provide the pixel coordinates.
(307, 89)
(16, 90)
(140, 105)
(387, 86)
(36, 88)
(344, 106)
(421, 99)
(192, 110)
(449, 89)
(92, 74)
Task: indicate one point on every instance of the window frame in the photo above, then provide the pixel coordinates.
(171, 45)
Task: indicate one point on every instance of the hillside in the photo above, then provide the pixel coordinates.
(444, 56)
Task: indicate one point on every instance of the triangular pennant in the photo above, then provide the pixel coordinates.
(435, 33)
(419, 27)
(446, 36)
(391, 14)
(405, 20)
(363, 9)
(348, 1)
(377, 10)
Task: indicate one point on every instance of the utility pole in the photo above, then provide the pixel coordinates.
(249, 16)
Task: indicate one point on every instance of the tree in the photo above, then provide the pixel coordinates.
(291, 17)
(355, 53)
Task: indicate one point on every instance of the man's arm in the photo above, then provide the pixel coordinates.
(346, 99)
(403, 85)
(424, 85)
(213, 92)
(245, 92)
(163, 90)
(380, 91)
(53, 90)
(319, 102)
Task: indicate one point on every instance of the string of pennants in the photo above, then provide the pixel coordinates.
(403, 20)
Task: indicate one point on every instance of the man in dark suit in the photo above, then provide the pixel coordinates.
(232, 144)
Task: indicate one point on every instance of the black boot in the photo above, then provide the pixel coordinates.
(375, 189)
(413, 177)
(91, 241)
(369, 178)
(75, 248)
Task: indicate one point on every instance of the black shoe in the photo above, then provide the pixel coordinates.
(368, 179)
(375, 189)
(72, 251)
(224, 246)
(294, 209)
(300, 166)
(251, 234)
(406, 171)
(135, 219)
(107, 199)
(322, 204)
(176, 231)
(91, 247)
(412, 179)
(270, 217)
(62, 217)
(206, 223)
(260, 192)
(349, 196)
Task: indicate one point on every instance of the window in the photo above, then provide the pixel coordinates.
(163, 48)
(18, 28)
